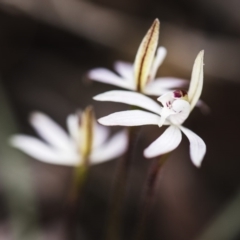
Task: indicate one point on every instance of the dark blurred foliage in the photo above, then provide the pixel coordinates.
(43, 66)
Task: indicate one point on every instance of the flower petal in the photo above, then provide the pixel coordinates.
(145, 56)
(204, 108)
(100, 135)
(113, 148)
(41, 151)
(196, 84)
(125, 70)
(131, 98)
(197, 146)
(160, 56)
(130, 118)
(105, 76)
(50, 131)
(73, 127)
(167, 142)
(162, 85)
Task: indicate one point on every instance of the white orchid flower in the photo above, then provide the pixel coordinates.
(174, 110)
(87, 140)
(140, 76)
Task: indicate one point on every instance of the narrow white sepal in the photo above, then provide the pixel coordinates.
(73, 127)
(159, 58)
(167, 142)
(197, 146)
(43, 152)
(130, 118)
(100, 135)
(196, 84)
(131, 98)
(113, 148)
(50, 131)
(105, 76)
(162, 85)
(125, 70)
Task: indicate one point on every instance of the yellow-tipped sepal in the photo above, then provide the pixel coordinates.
(145, 56)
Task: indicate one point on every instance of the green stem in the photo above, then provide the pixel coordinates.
(116, 206)
(149, 195)
(74, 198)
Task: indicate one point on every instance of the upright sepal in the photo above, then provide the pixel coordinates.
(145, 56)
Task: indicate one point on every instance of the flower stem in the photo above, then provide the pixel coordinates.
(74, 198)
(149, 194)
(115, 214)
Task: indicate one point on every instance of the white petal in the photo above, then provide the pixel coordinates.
(197, 146)
(131, 98)
(113, 148)
(100, 135)
(130, 118)
(50, 131)
(162, 85)
(106, 76)
(196, 84)
(204, 108)
(125, 70)
(73, 127)
(159, 58)
(167, 142)
(41, 151)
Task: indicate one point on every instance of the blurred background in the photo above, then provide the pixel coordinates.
(46, 49)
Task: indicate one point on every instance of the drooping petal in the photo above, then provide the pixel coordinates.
(100, 135)
(106, 76)
(73, 127)
(145, 56)
(50, 131)
(204, 108)
(131, 98)
(197, 146)
(196, 84)
(162, 85)
(41, 151)
(113, 148)
(167, 142)
(159, 58)
(130, 118)
(125, 70)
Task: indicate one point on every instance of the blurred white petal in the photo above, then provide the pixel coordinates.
(113, 148)
(125, 70)
(167, 142)
(130, 118)
(106, 76)
(204, 108)
(159, 58)
(197, 146)
(50, 131)
(41, 151)
(196, 84)
(131, 98)
(162, 85)
(73, 127)
(100, 135)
